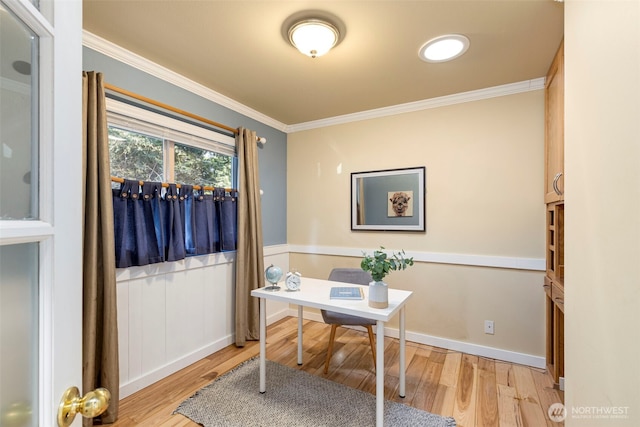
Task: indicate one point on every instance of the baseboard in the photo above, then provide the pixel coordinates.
(475, 349)
(170, 368)
(449, 344)
(285, 312)
(469, 348)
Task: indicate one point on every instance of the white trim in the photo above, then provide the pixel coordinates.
(15, 232)
(186, 264)
(275, 250)
(31, 16)
(201, 261)
(170, 130)
(118, 53)
(517, 263)
(442, 101)
(190, 263)
(120, 113)
(66, 214)
(46, 321)
(475, 349)
(463, 347)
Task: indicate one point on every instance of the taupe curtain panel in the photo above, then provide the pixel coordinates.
(249, 258)
(100, 328)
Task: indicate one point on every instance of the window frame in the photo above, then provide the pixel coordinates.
(171, 130)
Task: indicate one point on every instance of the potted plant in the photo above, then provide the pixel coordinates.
(380, 265)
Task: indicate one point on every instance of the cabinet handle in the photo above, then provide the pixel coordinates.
(559, 300)
(555, 184)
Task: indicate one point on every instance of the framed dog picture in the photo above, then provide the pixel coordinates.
(389, 200)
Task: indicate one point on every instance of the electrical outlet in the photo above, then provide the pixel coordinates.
(488, 327)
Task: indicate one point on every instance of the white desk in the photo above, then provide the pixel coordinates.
(315, 293)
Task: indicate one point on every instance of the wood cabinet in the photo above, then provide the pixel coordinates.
(554, 198)
(555, 243)
(554, 290)
(554, 129)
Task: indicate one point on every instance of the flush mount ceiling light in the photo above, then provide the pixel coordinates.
(313, 37)
(444, 48)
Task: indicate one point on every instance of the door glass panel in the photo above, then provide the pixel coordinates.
(18, 119)
(19, 335)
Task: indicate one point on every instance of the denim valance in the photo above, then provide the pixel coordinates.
(154, 224)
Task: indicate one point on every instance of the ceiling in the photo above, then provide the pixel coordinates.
(237, 48)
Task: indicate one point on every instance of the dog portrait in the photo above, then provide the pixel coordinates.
(400, 203)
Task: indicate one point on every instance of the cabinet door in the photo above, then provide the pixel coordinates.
(554, 302)
(554, 130)
(555, 242)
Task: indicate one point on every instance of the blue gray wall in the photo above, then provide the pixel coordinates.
(272, 156)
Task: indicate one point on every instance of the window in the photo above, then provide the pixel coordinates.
(135, 155)
(148, 146)
(155, 223)
(195, 165)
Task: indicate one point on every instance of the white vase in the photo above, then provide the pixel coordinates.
(378, 295)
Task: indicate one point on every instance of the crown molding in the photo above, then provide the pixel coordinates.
(442, 101)
(125, 56)
(134, 60)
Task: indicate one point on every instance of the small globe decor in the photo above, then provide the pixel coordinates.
(273, 274)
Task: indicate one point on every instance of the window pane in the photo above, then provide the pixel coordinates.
(18, 119)
(19, 335)
(197, 166)
(135, 155)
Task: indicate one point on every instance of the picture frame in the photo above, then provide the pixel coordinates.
(389, 200)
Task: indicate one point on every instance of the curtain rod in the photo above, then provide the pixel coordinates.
(130, 94)
(166, 185)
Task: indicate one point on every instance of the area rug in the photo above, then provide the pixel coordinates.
(294, 398)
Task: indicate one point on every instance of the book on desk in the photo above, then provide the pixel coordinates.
(346, 292)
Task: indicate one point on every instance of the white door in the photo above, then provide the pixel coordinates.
(40, 204)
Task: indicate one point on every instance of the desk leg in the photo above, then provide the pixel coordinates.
(379, 373)
(263, 345)
(299, 335)
(402, 354)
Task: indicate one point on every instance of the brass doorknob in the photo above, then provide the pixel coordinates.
(90, 405)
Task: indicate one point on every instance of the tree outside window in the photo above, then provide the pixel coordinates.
(138, 156)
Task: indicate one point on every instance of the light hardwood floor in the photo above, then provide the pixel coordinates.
(474, 390)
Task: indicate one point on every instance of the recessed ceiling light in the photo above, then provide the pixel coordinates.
(444, 48)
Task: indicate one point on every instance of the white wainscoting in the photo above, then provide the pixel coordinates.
(171, 315)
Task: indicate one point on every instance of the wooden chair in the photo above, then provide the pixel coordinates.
(358, 277)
